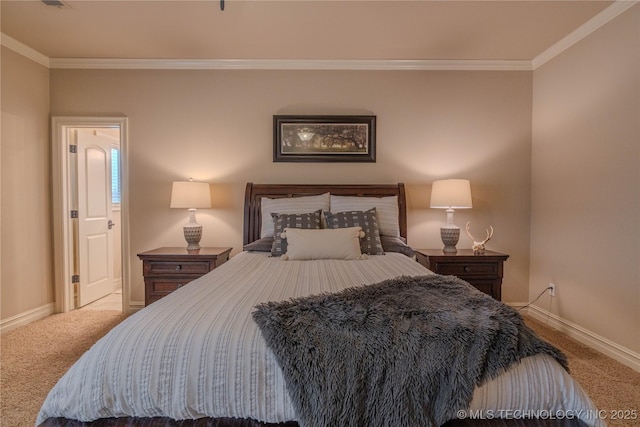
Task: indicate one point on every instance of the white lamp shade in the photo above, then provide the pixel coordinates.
(451, 193)
(190, 195)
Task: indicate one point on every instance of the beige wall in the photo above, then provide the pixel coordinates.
(585, 227)
(216, 126)
(26, 263)
(575, 190)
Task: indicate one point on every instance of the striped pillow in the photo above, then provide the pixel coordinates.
(289, 205)
(396, 244)
(386, 209)
(282, 221)
(367, 220)
(261, 245)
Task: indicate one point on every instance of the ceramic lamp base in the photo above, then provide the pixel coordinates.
(193, 234)
(450, 237)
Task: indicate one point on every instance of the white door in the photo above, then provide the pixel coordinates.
(95, 238)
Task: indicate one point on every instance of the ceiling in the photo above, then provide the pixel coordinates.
(296, 29)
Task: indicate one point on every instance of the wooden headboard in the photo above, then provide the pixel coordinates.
(255, 192)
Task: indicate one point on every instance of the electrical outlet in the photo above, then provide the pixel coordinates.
(552, 289)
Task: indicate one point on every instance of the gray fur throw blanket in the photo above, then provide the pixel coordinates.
(407, 351)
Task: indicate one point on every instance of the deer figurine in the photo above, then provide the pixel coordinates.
(478, 247)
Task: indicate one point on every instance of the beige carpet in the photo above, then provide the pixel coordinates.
(35, 356)
(613, 387)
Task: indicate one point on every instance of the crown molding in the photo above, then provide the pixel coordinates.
(290, 64)
(24, 50)
(618, 7)
(611, 12)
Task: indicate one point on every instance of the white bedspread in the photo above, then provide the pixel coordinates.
(198, 353)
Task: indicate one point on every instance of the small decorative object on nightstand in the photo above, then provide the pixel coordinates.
(482, 271)
(450, 194)
(478, 246)
(167, 269)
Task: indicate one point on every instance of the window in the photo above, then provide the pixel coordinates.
(115, 176)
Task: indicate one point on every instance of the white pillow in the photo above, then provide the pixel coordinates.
(386, 208)
(289, 205)
(339, 243)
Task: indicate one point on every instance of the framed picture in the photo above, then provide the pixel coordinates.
(324, 138)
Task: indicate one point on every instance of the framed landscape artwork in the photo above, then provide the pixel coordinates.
(324, 138)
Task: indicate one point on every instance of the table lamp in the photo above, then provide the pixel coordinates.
(191, 195)
(450, 194)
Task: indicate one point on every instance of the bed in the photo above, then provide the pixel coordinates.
(198, 358)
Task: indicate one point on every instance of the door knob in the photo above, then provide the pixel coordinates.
(110, 224)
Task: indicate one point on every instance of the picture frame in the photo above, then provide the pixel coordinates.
(346, 138)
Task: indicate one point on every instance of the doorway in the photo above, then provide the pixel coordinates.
(91, 243)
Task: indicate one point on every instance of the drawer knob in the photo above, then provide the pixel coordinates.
(467, 269)
(179, 285)
(178, 267)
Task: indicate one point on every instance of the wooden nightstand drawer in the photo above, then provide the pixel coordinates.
(177, 267)
(489, 287)
(484, 271)
(166, 286)
(167, 269)
(467, 269)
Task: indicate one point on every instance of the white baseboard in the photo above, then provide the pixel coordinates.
(135, 306)
(26, 317)
(615, 351)
(517, 305)
(46, 310)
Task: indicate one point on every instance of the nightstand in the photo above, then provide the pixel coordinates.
(482, 271)
(167, 269)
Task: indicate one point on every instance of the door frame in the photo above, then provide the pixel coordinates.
(62, 231)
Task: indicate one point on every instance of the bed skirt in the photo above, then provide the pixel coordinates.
(235, 422)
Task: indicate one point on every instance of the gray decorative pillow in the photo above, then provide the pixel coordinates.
(396, 244)
(367, 220)
(282, 221)
(260, 245)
